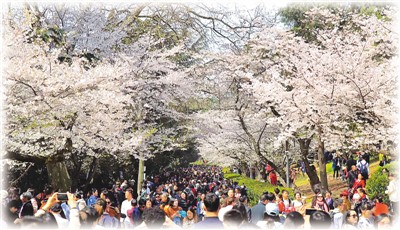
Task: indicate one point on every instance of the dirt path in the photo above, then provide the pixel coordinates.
(336, 186)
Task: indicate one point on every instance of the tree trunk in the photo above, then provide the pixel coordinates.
(58, 175)
(311, 172)
(322, 163)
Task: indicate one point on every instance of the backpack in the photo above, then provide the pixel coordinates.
(363, 169)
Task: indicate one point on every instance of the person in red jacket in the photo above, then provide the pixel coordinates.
(273, 178)
(358, 183)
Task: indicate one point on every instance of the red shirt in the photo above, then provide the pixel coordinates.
(381, 208)
(273, 178)
(358, 183)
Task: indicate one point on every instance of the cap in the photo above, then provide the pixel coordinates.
(272, 209)
(344, 193)
(319, 194)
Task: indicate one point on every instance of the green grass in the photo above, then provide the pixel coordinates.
(254, 188)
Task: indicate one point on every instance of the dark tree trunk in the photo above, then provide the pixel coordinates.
(322, 162)
(311, 172)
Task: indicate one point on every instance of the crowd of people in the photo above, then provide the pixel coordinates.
(197, 197)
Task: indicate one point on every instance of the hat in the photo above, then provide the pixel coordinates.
(356, 196)
(272, 209)
(344, 193)
(319, 194)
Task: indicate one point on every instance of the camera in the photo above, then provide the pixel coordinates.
(310, 211)
(62, 196)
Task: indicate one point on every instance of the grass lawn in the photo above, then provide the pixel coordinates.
(254, 188)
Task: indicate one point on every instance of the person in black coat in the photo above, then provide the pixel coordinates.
(27, 208)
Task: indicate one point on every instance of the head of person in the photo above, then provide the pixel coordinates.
(47, 221)
(359, 176)
(297, 196)
(211, 202)
(351, 217)
(88, 217)
(242, 209)
(232, 219)
(338, 203)
(271, 212)
(154, 217)
(383, 221)
(104, 194)
(344, 195)
(95, 192)
(129, 194)
(149, 203)
(361, 191)
(320, 197)
(328, 194)
(100, 206)
(134, 203)
(366, 209)
(277, 191)
(13, 205)
(231, 193)
(320, 220)
(164, 197)
(26, 196)
(285, 194)
(293, 220)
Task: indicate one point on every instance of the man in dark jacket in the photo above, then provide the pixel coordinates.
(27, 208)
(257, 212)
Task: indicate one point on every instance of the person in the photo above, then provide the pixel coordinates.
(363, 166)
(211, 220)
(329, 200)
(337, 214)
(105, 220)
(232, 219)
(298, 203)
(358, 183)
(244, 200)
(173, 211)
(320, 203)
(229, 202)
(352, 176)
(125, 206)
(286, 199)
(190, 219)
(155, 218)
(27, 208)
(351, 220)
(271, 217)
(200, 207)
(366, 216)
(320, 220)
(393, 192)
(58, 214)
(294, 220)
(93, 198)
(383, 221)
(11, 213)
(273, 178)
(134, 214)
(345, 197)
(257, 212)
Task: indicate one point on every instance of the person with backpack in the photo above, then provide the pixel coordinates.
(363, 166)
